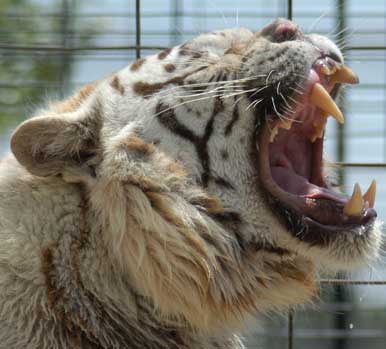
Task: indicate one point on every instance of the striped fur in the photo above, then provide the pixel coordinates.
(132, 216)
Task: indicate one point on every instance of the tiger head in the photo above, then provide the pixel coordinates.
(222, 138)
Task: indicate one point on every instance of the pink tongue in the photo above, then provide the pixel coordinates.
(295, 184)
(291, 182)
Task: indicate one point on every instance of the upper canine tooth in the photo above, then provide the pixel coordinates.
(344, 75)
(370, 194)
(355, 205)
(322, 99)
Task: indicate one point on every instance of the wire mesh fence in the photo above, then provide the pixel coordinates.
(48, 48)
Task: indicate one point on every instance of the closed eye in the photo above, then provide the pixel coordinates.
(335, 57)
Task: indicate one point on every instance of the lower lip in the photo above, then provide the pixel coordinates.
(325, 195)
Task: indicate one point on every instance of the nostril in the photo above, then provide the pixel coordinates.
(286, 31)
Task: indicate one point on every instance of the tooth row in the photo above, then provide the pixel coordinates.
(320, 97)
(354, 206)
(286, 124)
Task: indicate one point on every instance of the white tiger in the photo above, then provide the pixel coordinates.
(167, 204)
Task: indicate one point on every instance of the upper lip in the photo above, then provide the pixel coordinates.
(313, 106)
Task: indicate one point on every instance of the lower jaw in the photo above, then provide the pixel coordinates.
(294, 215)
(307, 230)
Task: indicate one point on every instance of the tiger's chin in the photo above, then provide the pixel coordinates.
(341, 232)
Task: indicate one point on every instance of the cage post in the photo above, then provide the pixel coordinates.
(340, 38)
(289, 9)
(290, 313)
(290, 329)
(176, 13)
(384, 104)
(138, 28)
(340, 295)
(66, 43)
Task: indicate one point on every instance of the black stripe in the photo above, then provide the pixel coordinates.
(168, 119)
(222, 182)
(265, 247)
(232, 221)
(202, 146)
(235, 118)
(146, 90)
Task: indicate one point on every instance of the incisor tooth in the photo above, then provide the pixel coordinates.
(319, 127)
(313, 138)
(344, 75)
(355, 204)
(370, 194)
(325, 70)
(286, 124)
(319, 132)
(328, 71)
(273, 134)
(322, 99)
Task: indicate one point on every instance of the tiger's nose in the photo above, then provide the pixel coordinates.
(281, 30)
(285, 30)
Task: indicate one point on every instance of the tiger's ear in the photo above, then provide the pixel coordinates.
(54, 144)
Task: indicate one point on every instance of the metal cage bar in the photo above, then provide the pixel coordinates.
(138, 28)
(136, 47)
(290, 313)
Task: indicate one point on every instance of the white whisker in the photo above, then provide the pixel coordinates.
(259, 90)
(286, 102)
(275, 109)
(269, 75)
(254, 103)
(238, 93)
(316, 21)
(277, 88)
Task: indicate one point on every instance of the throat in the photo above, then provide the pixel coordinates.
(295, 163)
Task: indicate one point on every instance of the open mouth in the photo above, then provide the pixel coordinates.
(290, 156)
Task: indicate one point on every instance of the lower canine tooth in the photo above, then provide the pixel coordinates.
(370, 194)
(355, 205)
